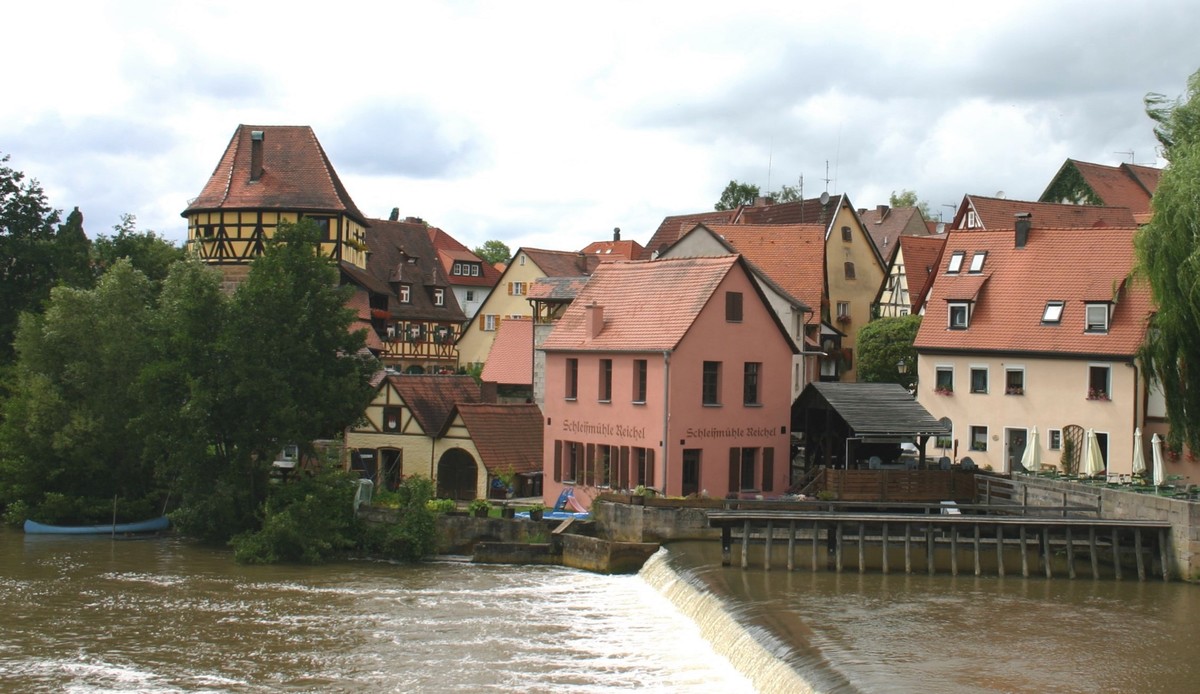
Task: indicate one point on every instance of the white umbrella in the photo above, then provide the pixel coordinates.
(1093, 461)
(1031, 460)
(1160, 476)
(1139, 453)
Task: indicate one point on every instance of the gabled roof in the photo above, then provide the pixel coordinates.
(360, 303)
(560, 263)
(886, 225)
(1075, 266)
(674, 226)
(507, 436)
(1000, 214)
(614, 250)
(449, 250)
(1126, 185)
(922, 256)
(431, 398)
(511, 360)
(791, 256)
(884, 410)
(556, 289)
(296, 175)
(680, 287)
(402, 253)
(810, 211)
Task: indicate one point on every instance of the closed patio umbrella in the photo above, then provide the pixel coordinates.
(1156, 453)
(1139, 453)
(1093, 460)
(1031, 460)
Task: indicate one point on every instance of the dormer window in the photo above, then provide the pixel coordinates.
(405, 294)
(1053, 312)
(956, 260)
(959, 318)
(474, 269)
(1097, 318)
(439, 297)
(977, 261)
(458, 269)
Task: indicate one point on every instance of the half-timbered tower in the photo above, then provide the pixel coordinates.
(267, 175)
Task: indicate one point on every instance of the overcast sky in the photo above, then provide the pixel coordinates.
(548, 124)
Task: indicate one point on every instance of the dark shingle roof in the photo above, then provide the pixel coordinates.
(432, 398)
(392, 246)
(507, 436)
(873, 409)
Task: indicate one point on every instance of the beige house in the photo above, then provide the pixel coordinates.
(510, 297)
(1035, 329)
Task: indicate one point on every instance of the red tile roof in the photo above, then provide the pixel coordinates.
(673, 227)
(432, 398)
(507, 436)
(922, 255)
(449, 249)
(1000, 213)
(556, 289)
(614, 250)
(1125, 186)
(680, 287)
(296, 175)
(886, 225)
(392, 246)
(560, 263)
(511, 360)
(810, 211)
(1070, 265)
(790, 255)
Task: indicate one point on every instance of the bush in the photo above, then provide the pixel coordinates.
(441, 505)
(309, 519)
(413, 536)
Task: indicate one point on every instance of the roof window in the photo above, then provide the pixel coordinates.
(955, 262)
(1053, 312)
(977, 261)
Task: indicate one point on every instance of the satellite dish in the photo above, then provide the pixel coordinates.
(825, 198)
(1000, 194)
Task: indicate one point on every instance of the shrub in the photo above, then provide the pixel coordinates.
(412, 536)
(309, 519)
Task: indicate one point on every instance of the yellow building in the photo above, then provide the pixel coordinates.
(267, 175)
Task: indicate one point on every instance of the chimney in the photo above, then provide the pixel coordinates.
(883, 210)
(616, 233)
(1024, 222)
(256, 154)
(595, 319)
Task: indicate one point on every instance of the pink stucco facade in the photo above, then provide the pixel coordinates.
(672, 440)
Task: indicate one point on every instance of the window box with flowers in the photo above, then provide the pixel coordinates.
(1097, 394)
(943, 391)
(1014, 390)
(843, 318)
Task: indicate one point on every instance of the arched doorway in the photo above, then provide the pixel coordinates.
(457, 473)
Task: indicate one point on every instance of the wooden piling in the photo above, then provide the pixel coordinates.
(1116, 552)
(746, 544)
(907, 547)
(884, 554)
(838, 546)
(862, 547)
(767, 550)
(1046, 552)
(1000, 550)
(1092, 549)
(791, 562)
(1070, 555)
(978, 564)
(1137, 548)
(1024, 555)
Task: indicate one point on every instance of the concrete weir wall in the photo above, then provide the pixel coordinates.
(1116, 503)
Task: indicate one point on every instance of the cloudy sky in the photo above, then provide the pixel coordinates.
(548, 124)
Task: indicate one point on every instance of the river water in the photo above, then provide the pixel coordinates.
(162, 615)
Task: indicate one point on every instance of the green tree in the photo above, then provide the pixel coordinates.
(908, 198)
(493, 252)
(735, 195)
(1169, 258)
(885, 343)
(150, 253)
(785, 193)
(69, 443)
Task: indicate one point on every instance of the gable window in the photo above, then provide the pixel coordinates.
(572, 378)
(1097, 318)
(639, 381)
(489, 322)
(847, 235)
(439, 297)
(516, 288)
(470, 295)
(1014, 381)
(710, 384)
(750, 383)
(1054, 439)
(605, 385)
(1053, 312)
(405, 294)
(955, 265)
(973, 220)
(391, 419)
(849, 269)
(959, 316)
(979, 438)
(977, 261)
(733, 307)
(944, 380)
(979, 379)
(1099, 387)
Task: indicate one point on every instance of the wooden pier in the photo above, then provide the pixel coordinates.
(935, 536)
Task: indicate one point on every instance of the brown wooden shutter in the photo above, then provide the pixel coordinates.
(735, 458)
(768, 481)
(649, 467)
(558, 445)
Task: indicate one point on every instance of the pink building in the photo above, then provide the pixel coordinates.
(673, 374)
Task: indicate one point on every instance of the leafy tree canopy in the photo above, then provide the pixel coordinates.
(908, 198)
(737, 194)
(493, 252)
(885, 343)
(150, 253)
(1169, 258)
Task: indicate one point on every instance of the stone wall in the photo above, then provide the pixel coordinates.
(655, 521)
(1115, 503)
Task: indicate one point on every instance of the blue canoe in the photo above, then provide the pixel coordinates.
(146, 526)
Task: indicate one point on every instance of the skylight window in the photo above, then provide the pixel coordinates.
(955, 262)
(1053, 312)
(977, 261)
